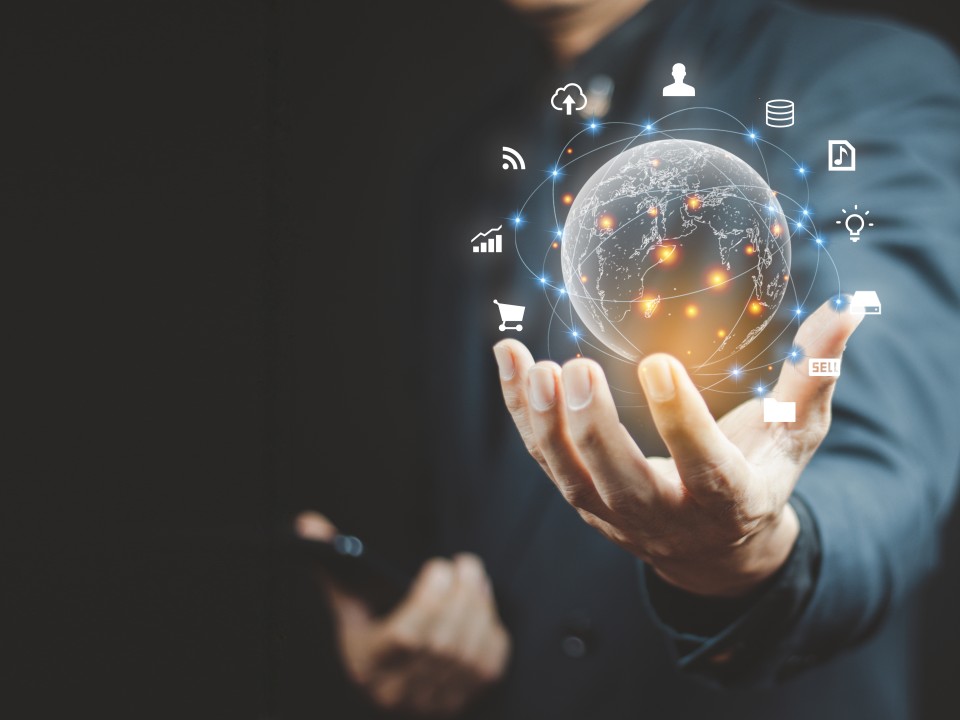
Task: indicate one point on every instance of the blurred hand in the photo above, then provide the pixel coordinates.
(713, 519)
(436, 651)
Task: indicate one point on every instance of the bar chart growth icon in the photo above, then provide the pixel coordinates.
(488, 243)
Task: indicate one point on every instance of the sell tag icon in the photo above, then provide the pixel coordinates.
(823, 367)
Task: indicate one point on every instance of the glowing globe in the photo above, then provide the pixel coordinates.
(676, 246)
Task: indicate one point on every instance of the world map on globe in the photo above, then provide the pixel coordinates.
(676, 246)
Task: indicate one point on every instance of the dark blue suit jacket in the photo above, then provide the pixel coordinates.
(586, 644)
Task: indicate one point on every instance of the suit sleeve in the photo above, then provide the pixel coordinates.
(880, 487)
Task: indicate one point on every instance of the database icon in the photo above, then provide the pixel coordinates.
(779, 113)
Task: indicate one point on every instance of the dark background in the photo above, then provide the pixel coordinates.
(195, 196)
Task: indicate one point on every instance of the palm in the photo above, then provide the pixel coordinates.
(689, 515)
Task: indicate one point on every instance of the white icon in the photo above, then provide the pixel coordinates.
(510, 314)
(779, 113)
(824, 367)
(679, 88)
(568, 98)
(776, 411)
(843, 156)
(491, 244)
(865, 302)
(855, 223)
(512, 160)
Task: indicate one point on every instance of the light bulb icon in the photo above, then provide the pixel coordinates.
(855, 223)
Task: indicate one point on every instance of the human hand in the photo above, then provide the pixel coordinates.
(436, 651)
(713, 518)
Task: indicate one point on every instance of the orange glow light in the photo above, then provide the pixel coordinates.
(717, 277)
(769, 367)
(569, 151)
(648, 305)
(555, 244)
(721, 333)
(694, 202)
(667, 254)
(749, 249)
(607, 221)
(583, 278)
(652, 212)
(567, 199)
(692, 311)
(655, 162)
(755, 308)
(776, 229)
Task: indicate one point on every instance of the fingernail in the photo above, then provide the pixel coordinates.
(578, 386)
(658, 379)
(505, 362)
(314, 527)
(441, 575)
(543, 388)
(471, 568)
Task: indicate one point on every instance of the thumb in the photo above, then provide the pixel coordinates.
(427, 595)
(818, 348)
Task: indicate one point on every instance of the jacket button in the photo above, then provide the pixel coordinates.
(574, 646)
(577, 633)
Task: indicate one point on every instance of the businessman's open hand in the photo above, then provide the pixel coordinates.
(713, 518)
(436, 651)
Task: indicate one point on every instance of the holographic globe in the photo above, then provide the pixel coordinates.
(676, 246)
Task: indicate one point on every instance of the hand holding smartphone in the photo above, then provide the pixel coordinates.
(349, 562)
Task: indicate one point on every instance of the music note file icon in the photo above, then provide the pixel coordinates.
(842, 156)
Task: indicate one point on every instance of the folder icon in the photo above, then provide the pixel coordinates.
(776, 411)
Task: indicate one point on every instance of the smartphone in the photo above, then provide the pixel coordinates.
(351, 563)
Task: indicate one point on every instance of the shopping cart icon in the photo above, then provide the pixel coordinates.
(510, 314)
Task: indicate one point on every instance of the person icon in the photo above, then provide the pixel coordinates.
(679, 88)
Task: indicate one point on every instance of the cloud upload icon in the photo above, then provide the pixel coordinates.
(569, 98)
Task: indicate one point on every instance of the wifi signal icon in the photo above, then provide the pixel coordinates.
(512, 160)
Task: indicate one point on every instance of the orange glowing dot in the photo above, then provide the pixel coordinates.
(569, 151)
(717, 278)
(776, 229)
(652, 212)
(786, 277)
(607, 221)
(775, 193)
(749, 249)
(667, 253)
(755, 308)
(567, 198)
(655, 162)
(579, 355)
(692, 311)
(555, 244)
(721, 333)
(583, 278)
(769, 367)
(694, 202)
(689, 352)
